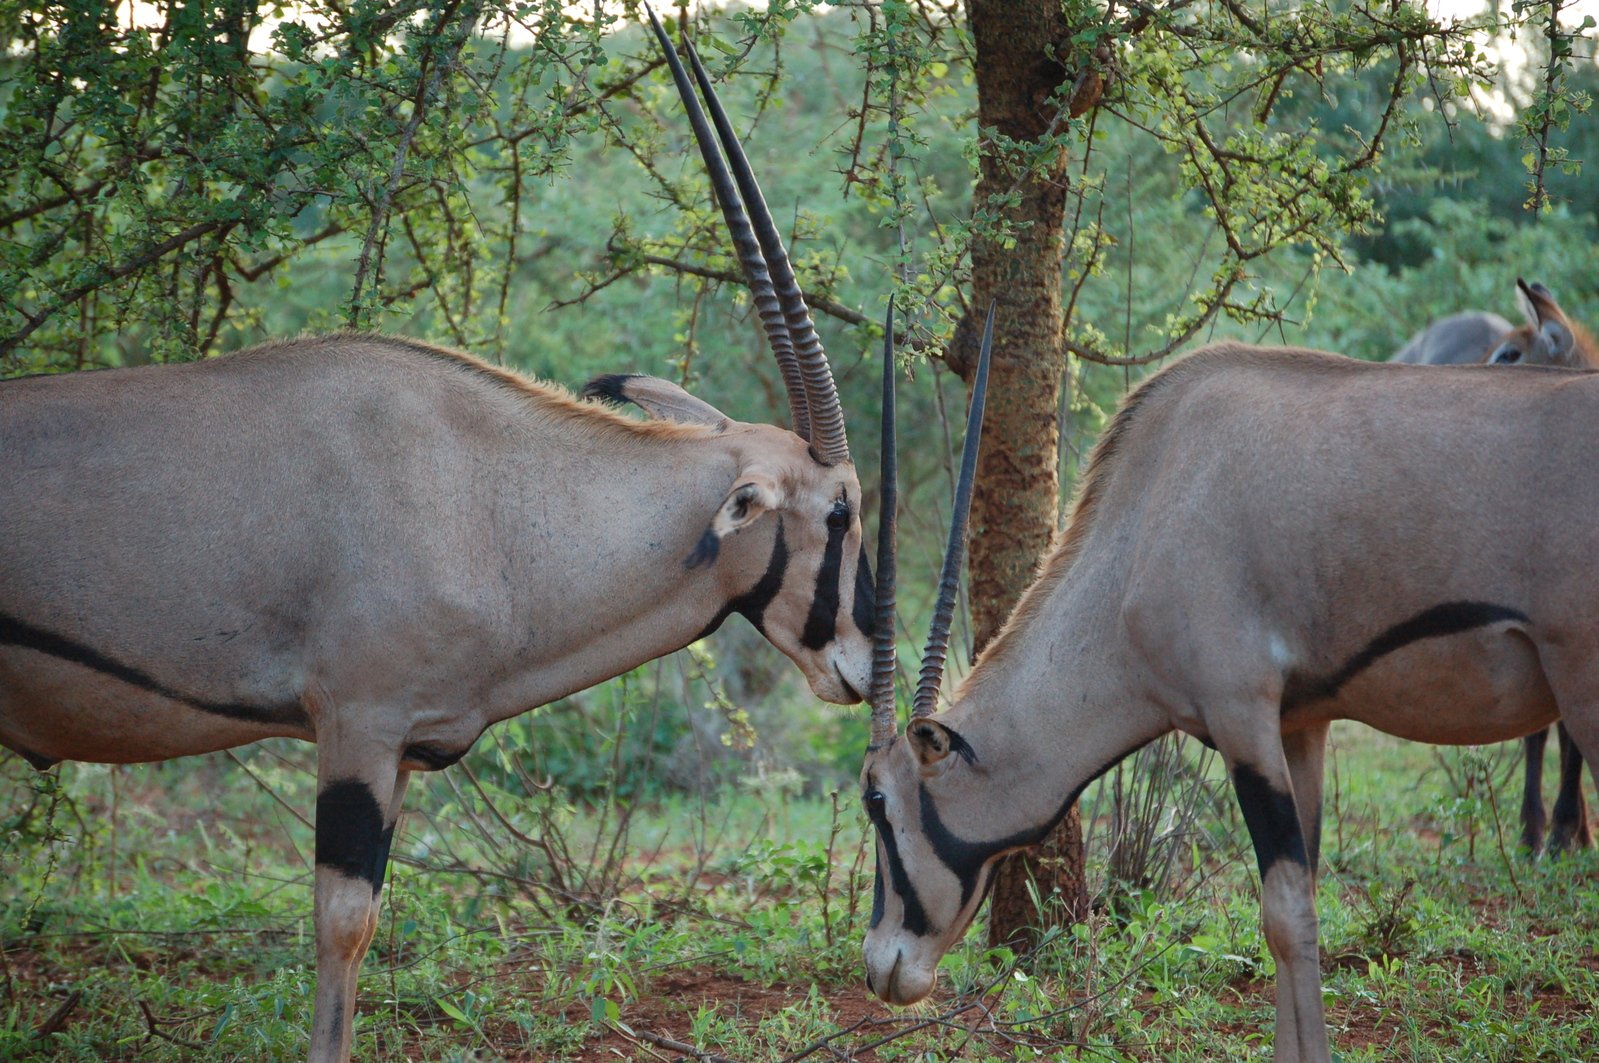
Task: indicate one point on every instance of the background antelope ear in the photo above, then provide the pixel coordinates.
(752, 496)
(661, 399)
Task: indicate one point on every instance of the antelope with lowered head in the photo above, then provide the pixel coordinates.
(383, 548)
(1239, 566)
(1548, 338)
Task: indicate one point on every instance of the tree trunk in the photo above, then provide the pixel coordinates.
(1013, 512)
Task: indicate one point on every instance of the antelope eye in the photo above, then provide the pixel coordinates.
(838, 517)
(875, 803)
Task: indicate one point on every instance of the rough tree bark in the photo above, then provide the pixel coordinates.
(1013, 512)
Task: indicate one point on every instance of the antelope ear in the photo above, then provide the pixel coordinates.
(753, 495)
(933, 743)
(1530, 300)
(661, 399)
(1557, 341)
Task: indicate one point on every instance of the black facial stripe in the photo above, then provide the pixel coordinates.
(1272, 820)
(1450, 618)
(877, 894)
(915, 919)
(821, 626)
(14, 632)
(965, 859)
(753, 602)
(864, 611)
(350, 836)
(431, 757)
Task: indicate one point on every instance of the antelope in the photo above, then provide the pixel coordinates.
(384, 547)
(1237, 567)
(1548, 338)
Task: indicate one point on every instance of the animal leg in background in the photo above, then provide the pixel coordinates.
(1569, 827)
(1532, 814)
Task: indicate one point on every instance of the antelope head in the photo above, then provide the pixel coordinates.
(1548, 337)
(804, 582)
(914, 924)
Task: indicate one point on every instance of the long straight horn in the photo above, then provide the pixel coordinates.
(932, 676)
(885, 656)
(745, 243)
(821, 393)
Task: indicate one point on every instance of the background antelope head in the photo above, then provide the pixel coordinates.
(1548, 337)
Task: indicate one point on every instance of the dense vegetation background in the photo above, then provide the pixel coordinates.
(183, 179)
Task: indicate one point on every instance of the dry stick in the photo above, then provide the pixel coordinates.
(153, 1024)
(58, 1017)
(677, 1046)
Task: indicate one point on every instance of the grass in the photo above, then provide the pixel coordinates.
(170, 919)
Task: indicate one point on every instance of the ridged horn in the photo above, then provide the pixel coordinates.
(932, 675)
(825, 413)
(745, 243)
(885, 656)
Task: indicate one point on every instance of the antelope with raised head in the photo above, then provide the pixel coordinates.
(1548, 338)
(1239, 566)
(383, 548)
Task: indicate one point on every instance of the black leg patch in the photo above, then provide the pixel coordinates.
(14, 632)
(350, 837)
(1272, 820)
(1450, 618)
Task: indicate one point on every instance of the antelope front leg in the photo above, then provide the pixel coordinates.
(356, 809)
(1288, 894)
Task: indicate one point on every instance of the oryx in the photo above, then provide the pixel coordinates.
(384, 547)
(1547, 338)
(1240, 565)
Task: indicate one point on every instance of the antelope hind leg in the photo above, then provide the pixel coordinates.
(358, 802)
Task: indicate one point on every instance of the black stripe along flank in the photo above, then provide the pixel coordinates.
(14, 632)
(1449, 618)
